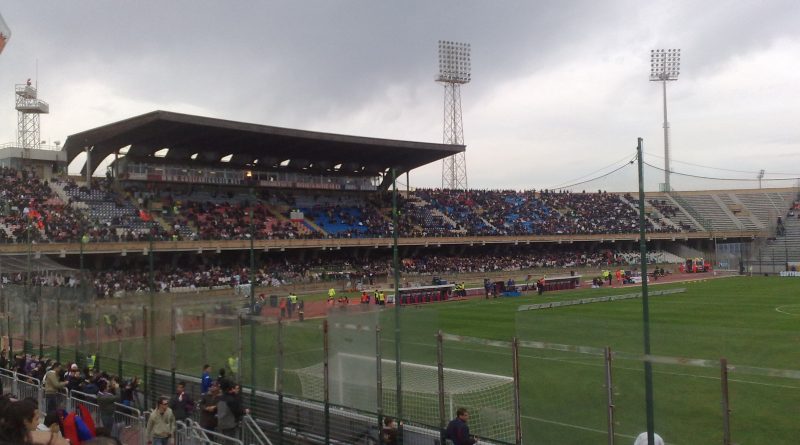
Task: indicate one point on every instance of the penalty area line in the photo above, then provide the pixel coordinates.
(578, 427)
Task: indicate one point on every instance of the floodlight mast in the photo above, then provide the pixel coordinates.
(454, 70)
(665, 65)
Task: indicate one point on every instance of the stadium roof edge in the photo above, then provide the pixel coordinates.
(215, 138)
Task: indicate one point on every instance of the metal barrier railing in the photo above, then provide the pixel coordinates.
(211, 437)
(302, 419)
(129, 425)
(251, 434)
(89, 401)
(7, 381)
(28, 387)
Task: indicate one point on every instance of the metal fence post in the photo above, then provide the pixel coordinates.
(173, 347)
(239, 343)
(279, 381)
(146, 352)
(41, 323)
(58, 324)
(326, 381)
(517, 399)
(440, 381)
(119, 352)
(10, 335)
(726, 408)
(379, 379)
(609, 395)
(203, 337)
(96, 332)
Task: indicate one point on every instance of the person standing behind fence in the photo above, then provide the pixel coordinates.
(458, 430)
(106, 399)
(282, 306)
(292, 303)
(208, 408)
(53, 386)
(205, 379)
(181, 403)
(233, 366)
(229, 410)
(389, 431)
(161, 424)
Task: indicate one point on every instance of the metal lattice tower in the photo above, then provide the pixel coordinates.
(454, 70)
(29, 107)
(665, 66)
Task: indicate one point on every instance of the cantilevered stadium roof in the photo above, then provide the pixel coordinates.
(207, 140)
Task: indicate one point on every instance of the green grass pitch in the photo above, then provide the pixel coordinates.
(753, 322)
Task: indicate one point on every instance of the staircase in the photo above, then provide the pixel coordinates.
(635, 207)
(688, 215)
(786, 248)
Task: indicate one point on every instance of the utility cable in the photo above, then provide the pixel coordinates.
(673, 172)
(630, 162)
(720, 168)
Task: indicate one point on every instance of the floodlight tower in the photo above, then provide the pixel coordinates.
(665, 65)
(29, 107)
(454, 70)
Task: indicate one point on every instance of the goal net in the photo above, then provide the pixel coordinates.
(353, 383)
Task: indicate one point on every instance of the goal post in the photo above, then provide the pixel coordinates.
(488, 397)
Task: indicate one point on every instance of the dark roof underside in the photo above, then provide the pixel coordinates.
(212, 139)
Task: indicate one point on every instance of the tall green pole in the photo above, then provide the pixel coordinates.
(81, 314)
(396, 267)
(252, 304)
(648, 366)
(26, 323)
(152, 299)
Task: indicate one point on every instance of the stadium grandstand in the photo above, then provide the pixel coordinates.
(194, 213)
(178, 183)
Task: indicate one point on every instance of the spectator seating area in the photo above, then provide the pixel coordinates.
(508, 212)
(785, 246)
(191, 273)
(32, 212)
(65, 210)
(111, 216)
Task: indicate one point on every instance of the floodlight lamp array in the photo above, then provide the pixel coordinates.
(665, 64)
(454, 62)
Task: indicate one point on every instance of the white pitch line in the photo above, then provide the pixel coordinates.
(787, 305)
(578, 427)
(626, 368)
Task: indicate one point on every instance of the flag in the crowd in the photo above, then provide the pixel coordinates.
(5, 34)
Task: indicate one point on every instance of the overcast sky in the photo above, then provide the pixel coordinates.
(559, 88)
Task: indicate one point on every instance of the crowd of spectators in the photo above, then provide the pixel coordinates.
(32, 212)
(135, 278)
(357, 221)
(23, 424)
(664, 207)
(102, 212)
(508, 212)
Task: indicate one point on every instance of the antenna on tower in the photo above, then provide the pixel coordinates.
(454, 70)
